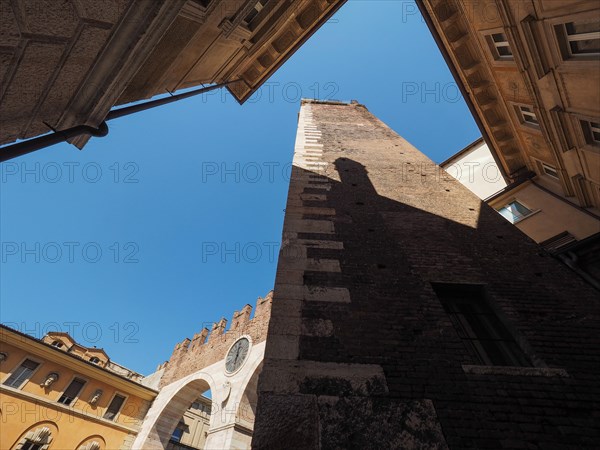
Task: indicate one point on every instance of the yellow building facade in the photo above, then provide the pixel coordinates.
(56, 394)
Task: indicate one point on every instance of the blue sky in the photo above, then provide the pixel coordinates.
(174, 219)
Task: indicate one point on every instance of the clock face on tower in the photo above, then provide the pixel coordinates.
(237, 354)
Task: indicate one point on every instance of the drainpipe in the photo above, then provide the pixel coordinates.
(31, 145)
(22, 148)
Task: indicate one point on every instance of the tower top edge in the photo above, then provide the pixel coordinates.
(314, 101)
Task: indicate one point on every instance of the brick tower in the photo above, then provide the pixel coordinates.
(409, 314)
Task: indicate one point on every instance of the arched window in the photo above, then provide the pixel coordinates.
(38, 439)
(93, 445)
(95, 442)
(57, 344)
(95, 360)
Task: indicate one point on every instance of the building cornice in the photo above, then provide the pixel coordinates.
(288, 26)
(144, 24)
(73, 362)
(469, 70)
(462, 152)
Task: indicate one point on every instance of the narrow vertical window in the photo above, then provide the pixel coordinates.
(21, 374)
(479, 327)
(72, 391)
(114, 407)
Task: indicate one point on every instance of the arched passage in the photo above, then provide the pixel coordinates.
(233, 395)
(247, 406)
(167, 409)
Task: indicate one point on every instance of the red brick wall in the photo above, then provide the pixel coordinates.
(389, 223)
(190, 356)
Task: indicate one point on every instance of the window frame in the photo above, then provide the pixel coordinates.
(495, 46)
(181, 427)
(255, 12)
(543, 168)
(588, 130)
(549, 170)
(78, 396)
(499, 335)
(24, 383)
(530, 112)
(515, 200)
(564, 40)
(37, 436)
(28, 443)
(118, 413)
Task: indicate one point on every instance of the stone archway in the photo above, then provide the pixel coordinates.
(168, 407)
(228, 393)
(246, 411)
(232, 426)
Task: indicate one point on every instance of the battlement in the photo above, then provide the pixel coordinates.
(208, 346)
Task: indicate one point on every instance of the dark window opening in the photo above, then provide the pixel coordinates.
(258, 7)
(500, 46)
(31, 446)
(579, 40)
(114, 407)
(21, 373)
(178, 432)
(591, 131)
(479, 327)
(72, 391)
(583, 37)
(528, 116)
